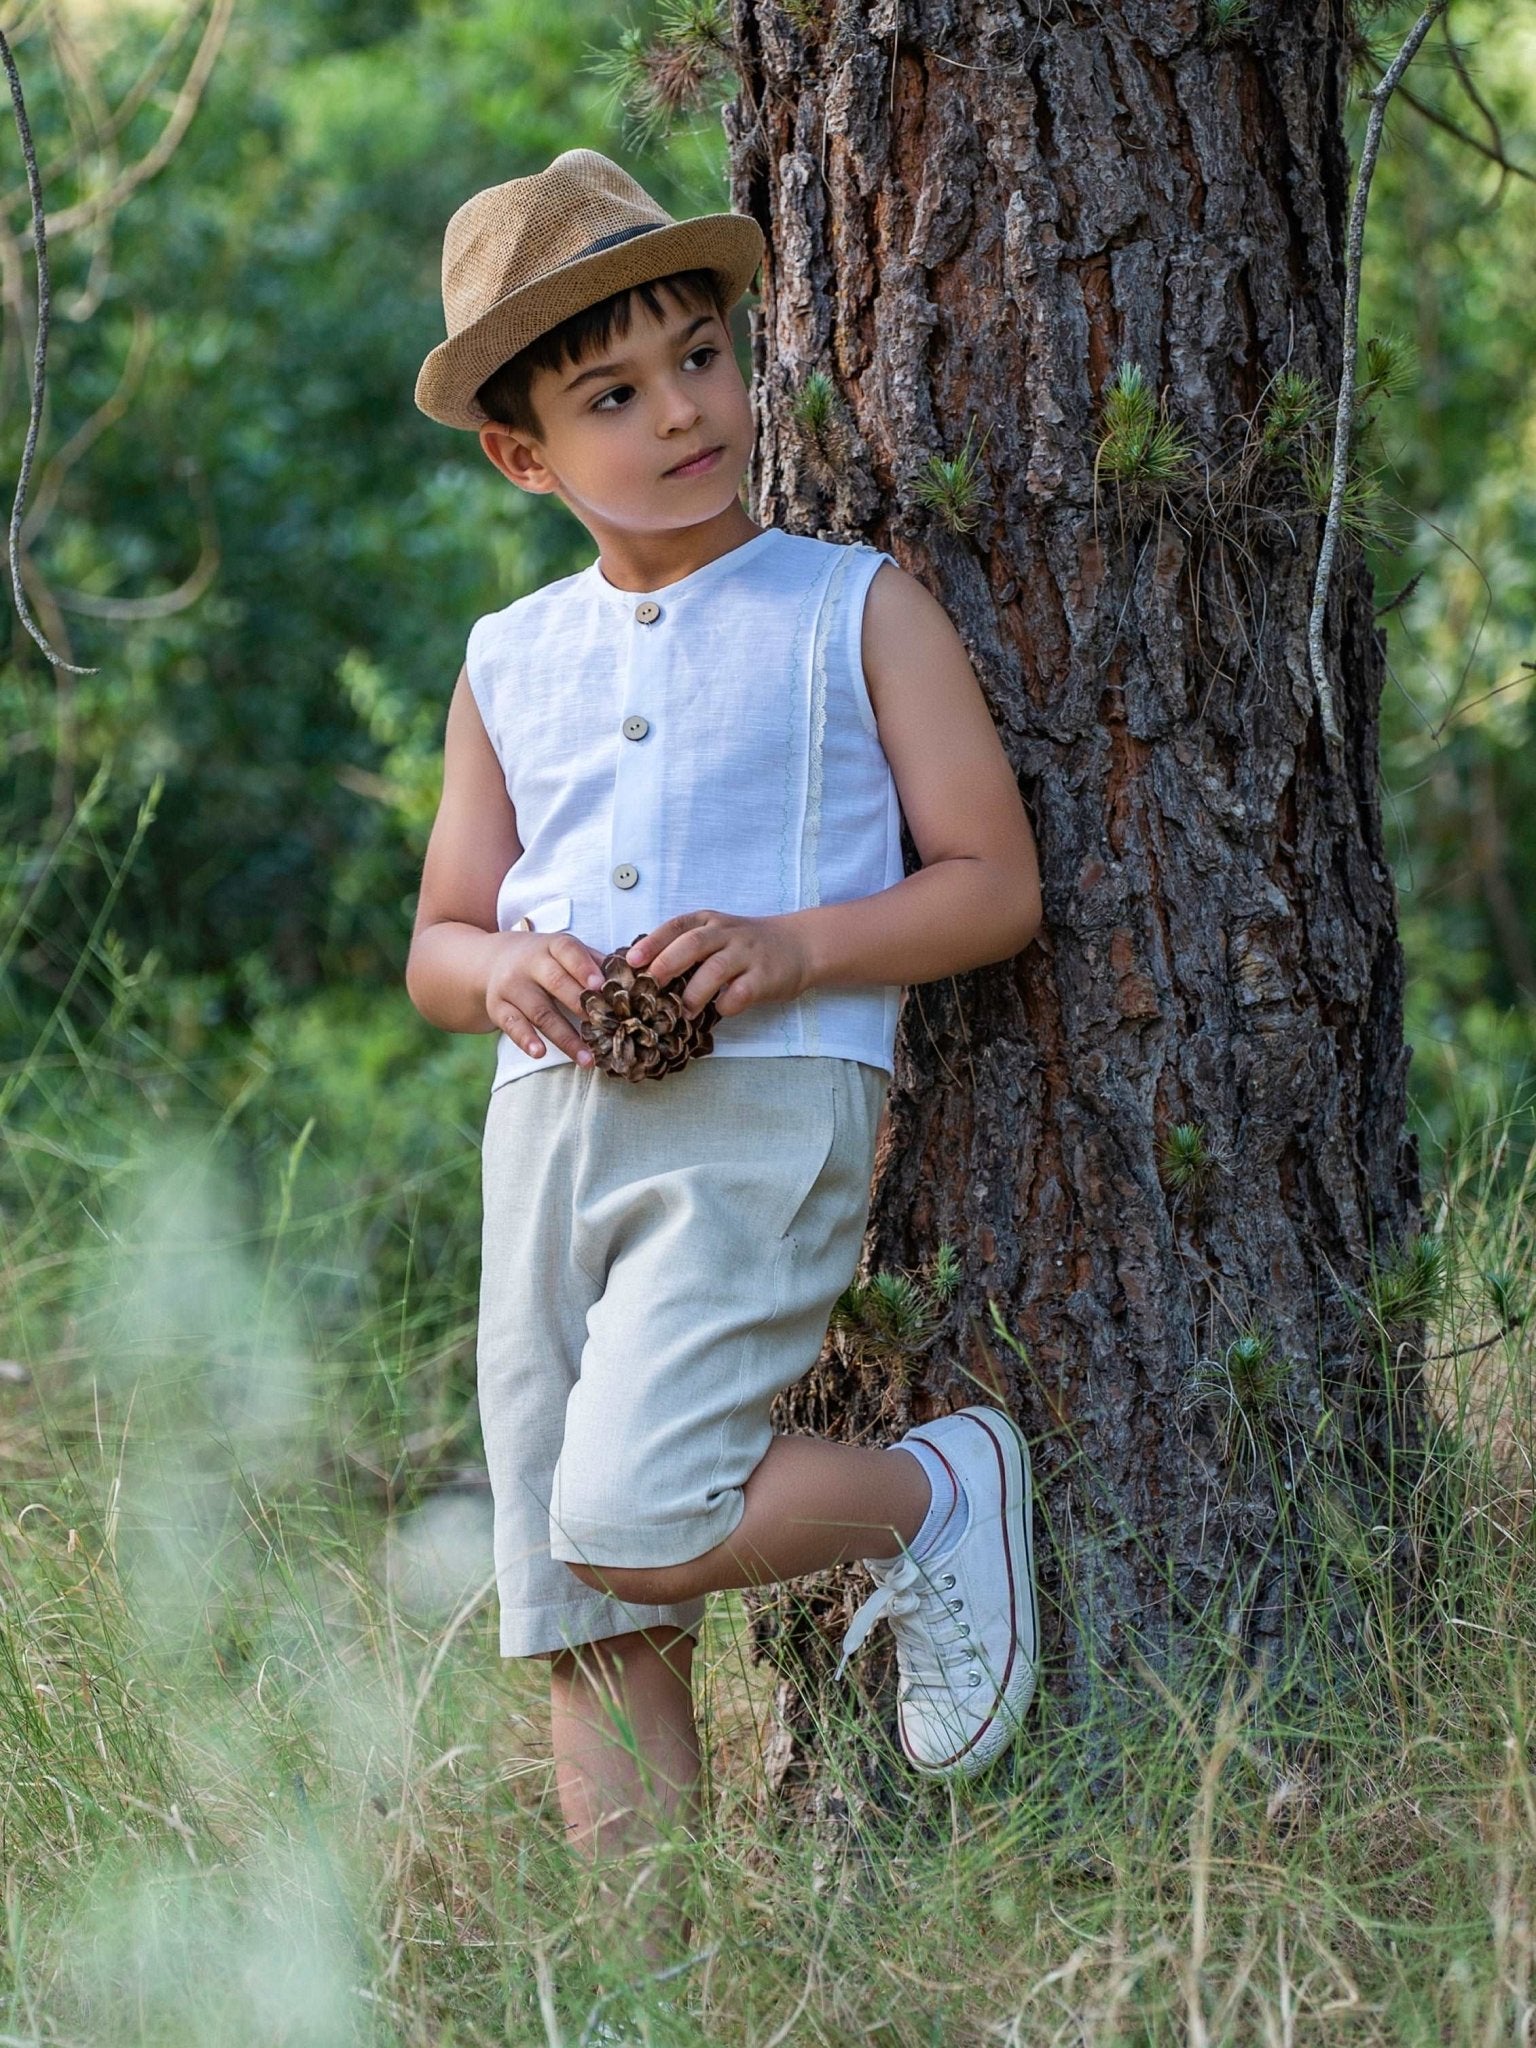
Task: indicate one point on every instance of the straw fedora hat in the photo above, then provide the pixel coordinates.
(521, 257)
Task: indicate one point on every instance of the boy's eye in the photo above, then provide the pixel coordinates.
(705, 348)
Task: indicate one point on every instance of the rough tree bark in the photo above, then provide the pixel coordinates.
(975, 212)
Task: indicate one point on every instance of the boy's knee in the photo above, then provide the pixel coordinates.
(650, 1585)
(599, 1516)
(591, 1575)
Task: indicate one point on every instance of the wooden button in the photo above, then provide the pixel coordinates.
(649, 612)
(625, 877)
(636, 728)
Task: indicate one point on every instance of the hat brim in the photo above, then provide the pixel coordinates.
(730, 244)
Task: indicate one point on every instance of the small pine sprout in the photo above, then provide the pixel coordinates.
(891, 1308)
(1256, 1373)
(1141, 445)
(813, 404)
(1359, 511)
(805, 14)
(1366, 55)
(953, 489)
(819, 411)
(1187, 1161)
(1244, 1387)
(944, 1273)
(701, 25)
(1504, 1292)
(1388, 365)
(661, 77)
(848, 1309)
(1412, 1285)
(1225, 19)
(897, 1308)
(1295, 404)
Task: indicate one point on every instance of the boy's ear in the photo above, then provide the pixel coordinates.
(516, 460)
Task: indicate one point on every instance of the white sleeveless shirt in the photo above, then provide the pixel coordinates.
(706, 746)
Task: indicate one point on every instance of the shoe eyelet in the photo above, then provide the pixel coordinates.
(948, 1579)
(955, 1606)
(975, 1678)
(965, 1628)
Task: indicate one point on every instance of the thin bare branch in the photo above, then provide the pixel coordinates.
(13, 301)
(85, 108)
(1344, 418)
(89, 116)
(1469, 84)
(107, 414)
(28, 20)
(110, 125)
(1438, 120)
(126, 610)
(187, 592)
(159, 154)
(39, 363)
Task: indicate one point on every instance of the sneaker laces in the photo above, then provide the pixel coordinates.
(931, 1642)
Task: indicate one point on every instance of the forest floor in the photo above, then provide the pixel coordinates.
(266, 1780)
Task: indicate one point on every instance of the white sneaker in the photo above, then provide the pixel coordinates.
(966, 1625)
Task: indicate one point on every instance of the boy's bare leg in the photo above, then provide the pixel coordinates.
(809, 1504)
(627, 1771)
(625, 1742)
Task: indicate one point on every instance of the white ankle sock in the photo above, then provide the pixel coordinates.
(948, 1510)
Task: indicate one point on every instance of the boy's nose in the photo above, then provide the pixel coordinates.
(680, 410)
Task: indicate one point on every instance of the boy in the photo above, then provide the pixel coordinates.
(712, 712)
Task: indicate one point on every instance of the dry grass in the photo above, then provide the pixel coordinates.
(267, 1780)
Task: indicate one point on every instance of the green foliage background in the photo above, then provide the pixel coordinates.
(269, 1777)
(285, 730)
(245, 965)
(1445, 269)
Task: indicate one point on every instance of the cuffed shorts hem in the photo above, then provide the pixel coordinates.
(641, 1546)
(536, 1631)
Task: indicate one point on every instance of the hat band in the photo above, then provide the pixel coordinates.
(620, 235)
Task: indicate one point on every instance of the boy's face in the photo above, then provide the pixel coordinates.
(617, 423)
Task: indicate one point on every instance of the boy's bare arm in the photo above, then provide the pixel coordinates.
(473, 843)
(976, 898)
(462, 973)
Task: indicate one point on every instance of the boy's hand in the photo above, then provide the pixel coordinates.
(740, 960)
(533, 973)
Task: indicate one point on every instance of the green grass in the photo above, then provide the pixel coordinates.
(266, 1780)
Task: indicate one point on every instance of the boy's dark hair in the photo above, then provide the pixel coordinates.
(504, 394)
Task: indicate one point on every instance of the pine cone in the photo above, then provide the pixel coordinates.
(636, 1027)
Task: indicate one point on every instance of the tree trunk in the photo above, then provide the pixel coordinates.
(975, 213)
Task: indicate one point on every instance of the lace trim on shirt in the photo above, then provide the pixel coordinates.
(806, 1006)
(810, 845)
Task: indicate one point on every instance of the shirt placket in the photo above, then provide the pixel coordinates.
(634, 848)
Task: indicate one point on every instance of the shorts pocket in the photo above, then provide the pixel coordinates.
(815, 1137)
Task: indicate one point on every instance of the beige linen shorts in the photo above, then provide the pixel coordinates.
(659, 1260)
